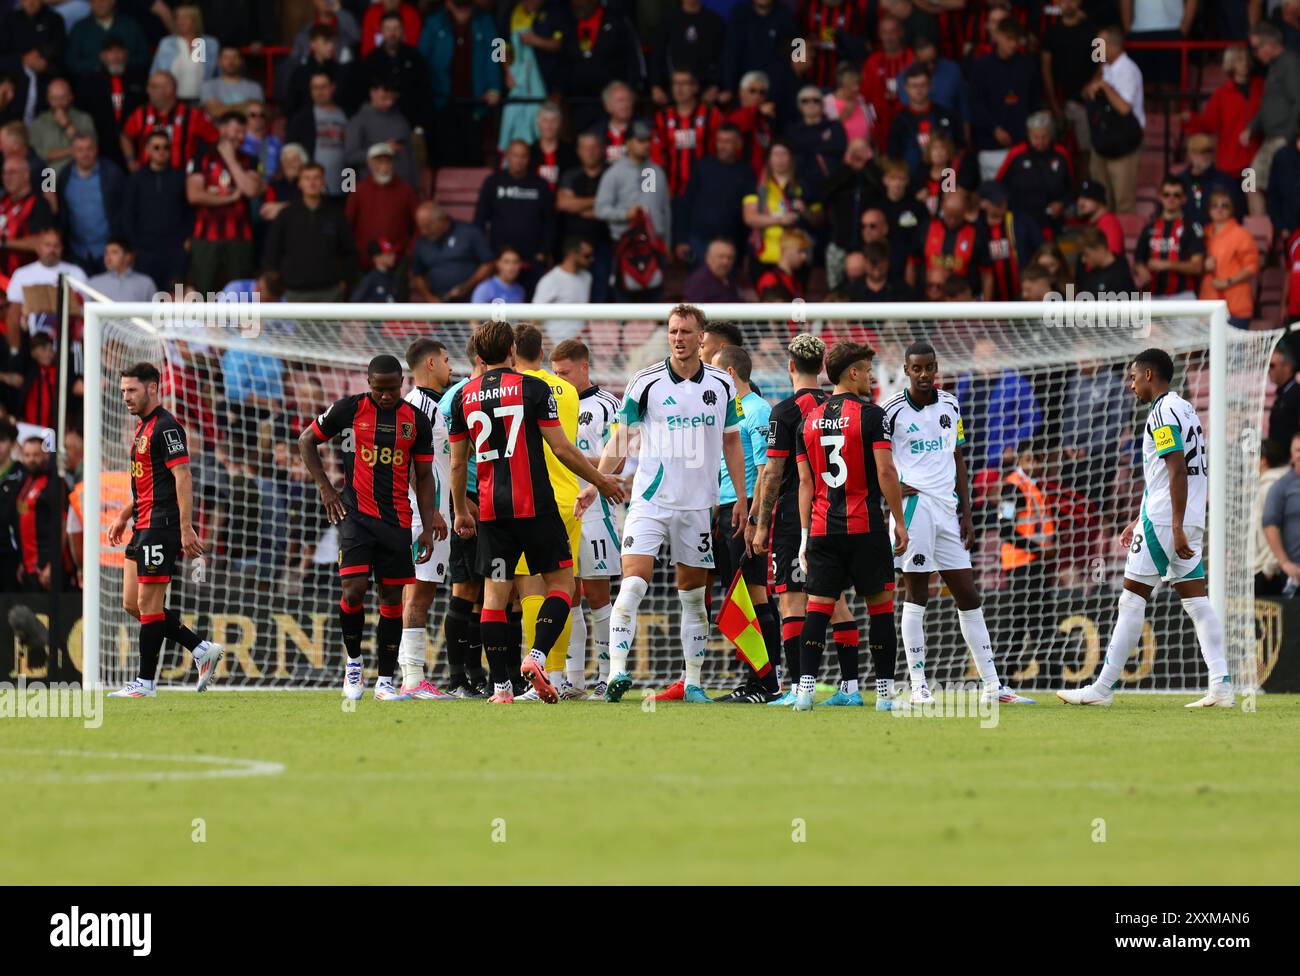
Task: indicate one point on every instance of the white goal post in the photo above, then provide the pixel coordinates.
(980, 345)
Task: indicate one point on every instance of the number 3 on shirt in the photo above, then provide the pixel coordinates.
(837, 472)
(513, 415)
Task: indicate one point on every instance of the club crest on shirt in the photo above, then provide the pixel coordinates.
(142, 445)
(584, 418)
(710, 398)
(408, 430)
(945, 421)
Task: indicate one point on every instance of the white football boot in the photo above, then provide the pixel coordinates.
(1087, 695)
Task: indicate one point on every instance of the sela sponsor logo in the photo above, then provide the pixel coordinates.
(75, 930)
(926, 446)
(699, 420)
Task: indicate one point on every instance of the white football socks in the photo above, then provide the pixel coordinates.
(575, 659)
(695, 633)
(1209, 632)
(600, 638)
(622, 622)
(914, 642)
(410, 656)
(976, 634)
(1129, 615)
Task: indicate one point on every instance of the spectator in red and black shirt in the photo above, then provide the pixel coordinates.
(954, 244)
(512, 417)
(880, 74)
(911, 128)
(384, 439)
(23, 214)
(110, 95)
(550, 156)
(38, 534)
(1012, 239)
(753, 117)
(684, 132)
(620, 105)
(1169, 258)
(829, 26)
(36, 377)
(219, 185)
(1038, 175)
(188, 127)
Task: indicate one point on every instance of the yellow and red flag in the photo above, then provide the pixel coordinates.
(739, 624)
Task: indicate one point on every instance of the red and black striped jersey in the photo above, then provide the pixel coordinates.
(505, 411)
(379, 447)
(822, 22)
(1170, 240)
(158, 446)
(1004, 259)
(962, 251)
(20, 218)
(880, 74)
(679, 140)
(837, 440)
(233, 221)
(187, 127)
(783, 426)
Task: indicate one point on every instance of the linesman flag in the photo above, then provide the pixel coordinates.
(739, 624)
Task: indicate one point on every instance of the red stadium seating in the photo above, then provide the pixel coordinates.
(456, 189)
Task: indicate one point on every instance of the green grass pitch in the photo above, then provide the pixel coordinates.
(301, 791)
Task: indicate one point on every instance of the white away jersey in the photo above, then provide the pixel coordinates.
(925, 439)
(682, 423)
(1172, 425)
(427, 405)
(597, 414)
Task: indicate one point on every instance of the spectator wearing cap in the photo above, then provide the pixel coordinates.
(310, 244)
(382, 282)
(504, 284)
(1038, 175)
(1091, 207)
(120, 282)
(1012, 238)
(91, 192)
(230, 88)
(1005, 90)
(1234, 103)
(817, 140)
(516, 209)
(755, 39)
(156, 214)
(86, 39)
(221, 185)
(713, 280)
(602, 45)
(1101, 270)
(187, 54)
(1279, 109)
(449, 257)
(321, 130)
(1119, 82)
(186, 126)
(568, 283)
(383, 205)
(395, 59)
(1202, 177)
(110, 96)
(1231, 261)
(54, 129)
(911, 127)
(379, 121)
(623, 194)
(464, 85)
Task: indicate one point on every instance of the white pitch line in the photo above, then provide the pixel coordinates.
(229, 767)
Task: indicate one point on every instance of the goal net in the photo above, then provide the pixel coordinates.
(1048, 378)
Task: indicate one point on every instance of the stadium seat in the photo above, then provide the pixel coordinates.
(456, 189)
(1132, 224)
(1261, 228)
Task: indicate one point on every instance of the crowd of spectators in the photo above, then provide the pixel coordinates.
(711, 150)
